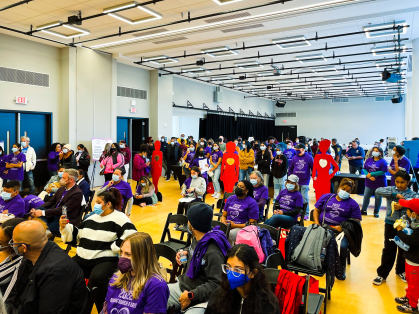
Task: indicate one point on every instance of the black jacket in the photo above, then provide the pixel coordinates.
(263, 160)
(279, 166)
(353, 232)
(163, 147)
(177, 152)
(85, 188)
(84, 161)
(413, 240)
(70, 162)
(54, 285)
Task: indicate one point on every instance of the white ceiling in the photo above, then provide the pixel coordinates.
(294, 18)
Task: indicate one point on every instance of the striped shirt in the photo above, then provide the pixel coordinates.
(8, 274)
(98, 238)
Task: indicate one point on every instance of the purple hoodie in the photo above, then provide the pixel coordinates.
(301, 166)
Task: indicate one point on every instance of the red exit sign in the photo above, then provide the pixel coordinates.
(21, 100)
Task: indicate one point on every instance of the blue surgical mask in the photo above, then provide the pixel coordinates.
(190, 231)
(115, 178)
(263, 147)
(122, 146)
(80, 151)
(65, 150)
(254, 181)
(143, 184)
(191, 149)
(172, 143)
(97, 209)
(290, 186)
(60, 174)
(14, 149)
(343, 194)
(6, 196)
(23, 144)
(236, 282)
(194, 176)
(375, 154)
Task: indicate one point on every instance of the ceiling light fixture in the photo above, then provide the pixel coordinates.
(80, 32)
(49, 25)
(195, 70)
(369, 28)
(324, 68)
(335, 78)
(249, 65)
(154, 16)
(160, 60)
(120, 7)
(284, 43)
(319, 57)
(223, 2)
(388, 50)
(219, 52)
(221, 78)
(394, 62)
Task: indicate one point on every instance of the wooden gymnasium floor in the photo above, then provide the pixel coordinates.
(355, 295)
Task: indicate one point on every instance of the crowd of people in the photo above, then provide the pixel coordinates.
(220, 276)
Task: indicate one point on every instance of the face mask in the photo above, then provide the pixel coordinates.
(215, 147)
(172, 143)
(23, 144)
(1, 153)
(375, 154)
(191, 149)
(290, 186)
(306, 148)
(189, 230)
(289, 146)
(254, 182)
(194, 176)
(201, 153)
(202, 143)
(115, 178)
(6, 196)
(236, 143)
(16, 249)
(343, 194)
(80, 151)
(113, 149)
(297, 141)
(238, 191)
(182, 137)
(236, 282)
(143, 184)
(60, 174)
(97, 209)
(14, 149)
(62, 182)
(263, 147)
(124, 265)
(162, 140)
(65, 150)
(278, 152)
(122, 146)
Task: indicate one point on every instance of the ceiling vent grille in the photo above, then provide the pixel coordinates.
(169, 40)
(154, 31)
(24, 77)
(242, 28)
(340, 100)
(286, 115)
(383, 98)
(226, 18)
(131, 92)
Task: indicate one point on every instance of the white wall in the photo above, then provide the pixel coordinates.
(361, 117)
(186, 125)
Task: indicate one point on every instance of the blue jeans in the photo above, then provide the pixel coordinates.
(279, 185)
(282, 221)
(344, 252)
(367, 196)
(266, 180)
(244, 174)
(28, 177)
(216, 178)
(54, 224)
(304, 191)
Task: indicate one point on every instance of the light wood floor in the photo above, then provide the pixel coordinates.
(355, 295)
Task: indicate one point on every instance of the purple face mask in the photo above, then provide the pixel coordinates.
(124, 265)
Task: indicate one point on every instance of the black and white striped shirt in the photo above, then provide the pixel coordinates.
(98, 238)
(8, 274)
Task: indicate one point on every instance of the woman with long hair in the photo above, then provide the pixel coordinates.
(114, 160)
(138, 287)
(83, 160)
(146, 193)
(247, 161)
(54, 156)
(244, 288)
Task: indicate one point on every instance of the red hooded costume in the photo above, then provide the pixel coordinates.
(230, 168)
(156, 164)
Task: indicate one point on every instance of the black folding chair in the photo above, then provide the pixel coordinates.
(302, 214)
(275, 233)
(124, 207)
(168, 253)
(91, 300)
(268, 206)
(276, 260)
(90, 200)
(223, 227)
(184, 228)
(174, 243)
(82, 213)
(221, 207)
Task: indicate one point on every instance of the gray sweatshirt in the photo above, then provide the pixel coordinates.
(200, 186)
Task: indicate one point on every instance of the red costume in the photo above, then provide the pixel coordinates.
(321, 167)
(156, 164)
(230, 168)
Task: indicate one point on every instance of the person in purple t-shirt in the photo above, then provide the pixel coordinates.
(3, 160)
(260, 191)
(399, 162)
(216, 158)
(14, 164)
(149, 292)
(31, 201)
(10, 200)
(288, 205)
(189, 155)
(375, 168)
(240, 209)
(290, 151)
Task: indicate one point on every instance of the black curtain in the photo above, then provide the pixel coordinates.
(202, 128)
(226, 126)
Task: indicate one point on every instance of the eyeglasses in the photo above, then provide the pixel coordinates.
(236, 271)
(12, 244)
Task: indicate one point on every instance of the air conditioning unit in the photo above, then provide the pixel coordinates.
(218, 95)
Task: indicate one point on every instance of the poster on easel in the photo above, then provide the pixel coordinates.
(98, 146)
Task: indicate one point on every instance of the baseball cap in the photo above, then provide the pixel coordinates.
(412, 204)
(293, 178)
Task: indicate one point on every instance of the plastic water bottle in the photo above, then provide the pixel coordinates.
(357, 172)
(183, 258)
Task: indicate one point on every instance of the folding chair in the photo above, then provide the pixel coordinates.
(82, 213)
(220, 213)
(302, 214)
(268, 206)
(173, 243)
(91, 300)
(224, 228)
(184, 228)
(89, 202)
(168, 253)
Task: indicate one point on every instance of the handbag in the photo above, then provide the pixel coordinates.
(210, 188)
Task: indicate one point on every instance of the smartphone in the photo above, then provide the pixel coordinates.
(64, 211)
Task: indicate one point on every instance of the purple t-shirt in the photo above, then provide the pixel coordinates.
(123, 187)
(15, 173)
(372, 166)
(15, 206)
(152, 299)
(195, 162)
(289, 201)
(3, 160)
(216, 155)
(207, 150)
(301, 166)
(189, 157)
(32, 201)
(290, 153)
(260, 192)
(240, 211)
(403, 163)
(52, 161)
(337, 211)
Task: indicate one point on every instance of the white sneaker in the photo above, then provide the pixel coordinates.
(217, 195)
(214, 194)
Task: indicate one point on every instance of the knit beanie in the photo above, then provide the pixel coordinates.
(200, 216)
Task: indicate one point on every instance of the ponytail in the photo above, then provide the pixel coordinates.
(114, 197)
(83, 147)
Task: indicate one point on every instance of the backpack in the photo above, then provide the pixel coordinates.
(311, 251)
(249, 235)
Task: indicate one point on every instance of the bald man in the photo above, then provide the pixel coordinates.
(48, 281)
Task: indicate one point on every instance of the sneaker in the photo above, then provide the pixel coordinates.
(214, 194)
(167, 180)
(402, 276)
(364, 213)
(401, 300)
(306, 217)
(176, 227)
(406, 308)
(378, 281)
(217, 195)
(376, 215)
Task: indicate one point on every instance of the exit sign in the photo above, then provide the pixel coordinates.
(21, 100)
(133, 110)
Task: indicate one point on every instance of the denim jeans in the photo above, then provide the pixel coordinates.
(279, 185)
(282, 221)
(29, 178)
(304, 191)
(367, 196)
(266, 180)
(174, 296)
(244, 174)
(216, 178)
(344, 252)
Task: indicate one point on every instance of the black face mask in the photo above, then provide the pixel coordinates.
(239, 192)
(201, 153)
(113, 150)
